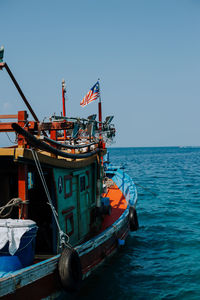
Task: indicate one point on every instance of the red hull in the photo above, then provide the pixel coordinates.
(50, 284)
(92, 253)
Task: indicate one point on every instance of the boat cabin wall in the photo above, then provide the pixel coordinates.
(8, 187)
(38, 209)
(76, 200)
(73, 193)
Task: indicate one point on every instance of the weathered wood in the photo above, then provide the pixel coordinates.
(56, 125)
(8, 116)
(27, 275)
(31, 140)
(25, 155)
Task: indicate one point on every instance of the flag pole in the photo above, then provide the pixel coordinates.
(99, 189)
(63, 102)
(100, 109)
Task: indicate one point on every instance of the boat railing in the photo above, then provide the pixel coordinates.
(71, 134)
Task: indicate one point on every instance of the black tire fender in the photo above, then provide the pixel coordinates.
(70, 270)
(133, 219)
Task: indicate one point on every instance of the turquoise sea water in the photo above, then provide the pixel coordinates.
(162, 259)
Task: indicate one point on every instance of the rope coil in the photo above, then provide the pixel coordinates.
(12, 203)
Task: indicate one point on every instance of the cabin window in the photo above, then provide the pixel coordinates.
(82, 183)
(68, 185)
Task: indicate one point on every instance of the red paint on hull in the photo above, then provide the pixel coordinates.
(91, 260)
(50, 284)
(37, 290)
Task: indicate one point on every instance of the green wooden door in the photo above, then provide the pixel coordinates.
(83, 205)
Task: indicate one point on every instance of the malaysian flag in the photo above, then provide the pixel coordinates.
(92, 95)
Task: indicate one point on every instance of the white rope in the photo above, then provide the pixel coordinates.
(62, 234)
(13, 202)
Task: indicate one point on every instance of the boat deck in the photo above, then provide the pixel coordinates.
(118, 204)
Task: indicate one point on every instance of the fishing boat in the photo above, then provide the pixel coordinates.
(64, 208)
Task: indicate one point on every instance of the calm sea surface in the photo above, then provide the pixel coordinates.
(162, 259)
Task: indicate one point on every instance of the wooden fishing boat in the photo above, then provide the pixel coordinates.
(63, 208)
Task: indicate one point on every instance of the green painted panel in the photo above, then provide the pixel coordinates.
(83, 205)
(76, 196)
(67, 202)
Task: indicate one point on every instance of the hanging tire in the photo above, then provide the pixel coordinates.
(133, 219)
(70, 271)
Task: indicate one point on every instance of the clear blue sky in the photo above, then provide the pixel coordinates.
(146, 53)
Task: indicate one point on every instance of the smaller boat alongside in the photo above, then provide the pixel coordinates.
(64, 207)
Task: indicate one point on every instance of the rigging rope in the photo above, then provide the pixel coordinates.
(62, 235)
(10, 139)
(13, 202)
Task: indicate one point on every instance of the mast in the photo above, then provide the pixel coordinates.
(4, 65)
(63, 102)
(100, 169)
(100, 110)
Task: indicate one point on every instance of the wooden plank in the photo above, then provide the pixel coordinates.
(56, 125)
(46, 288)
(27, 275)
(8, 116)
(42, 256)
(22, 154)
(23, 189)
(6, 127)
(7, 151)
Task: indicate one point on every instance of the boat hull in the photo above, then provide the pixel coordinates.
(41, 280)
(25, 284)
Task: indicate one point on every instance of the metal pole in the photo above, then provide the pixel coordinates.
(63, 97)
(100, 109)
(99, 191)
(63, 102)
(20, 92)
